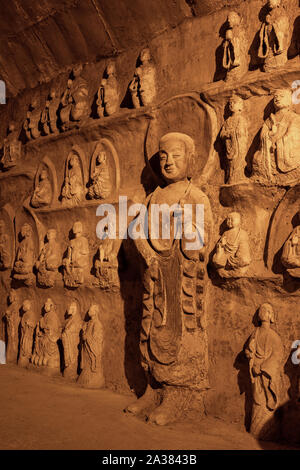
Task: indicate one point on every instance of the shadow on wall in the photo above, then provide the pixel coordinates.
(132, 291)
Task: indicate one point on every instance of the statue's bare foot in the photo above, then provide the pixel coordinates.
(150, 400)
(175, 401)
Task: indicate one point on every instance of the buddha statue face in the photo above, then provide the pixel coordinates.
(93, 311)
(43, 175)
(266, 313)
(77, 229)
(282, 99)
(173, 158)
(110, 69)
(233, 220)
(25, 231)
(51, 235)
(72, 310)
(48, 305)
(274, 4)
(236, 104)
(101, 158)
(145, 56)
(26, 306)
(11, 127)
(52, 94)
(12, 296)
(233, 19)
(77, 71)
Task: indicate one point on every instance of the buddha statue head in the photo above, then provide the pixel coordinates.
(233, 19)
(233, 220)
(282, 98)
(176, 151)
(266, 313)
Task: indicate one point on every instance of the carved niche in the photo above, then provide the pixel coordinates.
(49, 114)
(11, 148)
(235, 48)
(274, 37)
(32, 121)
(234, 134)
(173, 340)
(45, 185)
(12, 319)
(104, 171)
(75, 100)
(25, 257)
(49, 260)
(47, 334)
(7, 237)
(291, 251)
(265, 353)
(76, 263)
(143, 85)
(108, 95)
(28, 325)
(91, 375)
(106, 264)
(277, 161)
(74, 190)
(71, 339)
(232, 255)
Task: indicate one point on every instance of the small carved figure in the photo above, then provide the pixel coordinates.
(31, 124)
(46, 352)
(49, 260)
(71, 340)
(274, 37)
(92, 348)
(74, 102)
(278, 159)
(4, 247)
(100, 187)
(108, 96)
(11, 149)
(291, 251)
(234, 133)
(173, 339)
(12, 320)
(265, 354)
(28, 324)
(42, 194)
(235, 48)
(232, 255)
(76, 262)
(106, 264)
(143, 85)
(73, 191)
(49, 114)
(23, 267)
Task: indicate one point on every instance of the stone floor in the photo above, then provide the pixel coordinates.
(38, 412)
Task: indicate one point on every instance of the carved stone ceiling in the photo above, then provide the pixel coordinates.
(41, 38)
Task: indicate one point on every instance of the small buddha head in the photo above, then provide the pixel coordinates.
(233, 19)
(77, 70)
(77, 229)
(145, 55)
(12, 296)
(93, 311)
(43, 175)
(48, 305)
(233, 220)
(73, 309)
(52, 93)
(274, 4)
(176, 151)
(51, 234)
(26, 306)
(236, 104)
(282, 98)
(266, 313)
(26, 231)
(11, 127)
(110, 69)
(69, 83)
(101, 157)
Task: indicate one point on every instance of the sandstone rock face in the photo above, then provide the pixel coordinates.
(110, 106)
